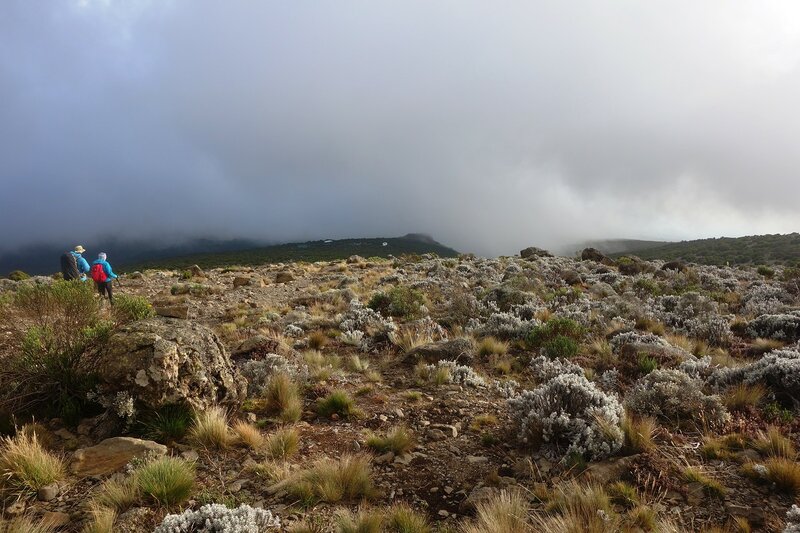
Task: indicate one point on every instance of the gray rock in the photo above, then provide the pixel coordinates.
(476, 496)
(48, 492)
(162, 361)
(173, 311)
(284, 277)
(532, 251)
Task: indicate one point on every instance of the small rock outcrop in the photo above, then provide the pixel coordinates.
(161, 361)
(533, 251)
(453, 350)
(112, 454)
(593, 254)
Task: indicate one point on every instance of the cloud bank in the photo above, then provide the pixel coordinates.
(489, 125)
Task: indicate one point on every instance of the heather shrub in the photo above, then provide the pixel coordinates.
(783, 327)
(217, 518)
(554, 328)
(676, 397)
(130, 308)
(560, 346)
(400, 301)
(18, 275)
(779, 370)
(50, 373)
(571, 415)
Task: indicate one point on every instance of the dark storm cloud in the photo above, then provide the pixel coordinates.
(489, 125)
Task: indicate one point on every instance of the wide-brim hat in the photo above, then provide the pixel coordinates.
(80, 249)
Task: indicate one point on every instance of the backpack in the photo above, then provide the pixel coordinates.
(69, 266)
(97, 273)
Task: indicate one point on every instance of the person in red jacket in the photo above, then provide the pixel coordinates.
(103, 276)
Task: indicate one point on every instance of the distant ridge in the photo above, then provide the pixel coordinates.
(750, 250)
(320, 250)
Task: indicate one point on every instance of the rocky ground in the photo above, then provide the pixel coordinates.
(523, 373)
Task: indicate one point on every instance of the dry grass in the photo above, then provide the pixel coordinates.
(508, 512)
(399, 441)
(283, 398)
(710, 485)
(601, 350)
(355, 364)
(401, 518)
(26, 524)
(333, 480)
(480, 422)
(774, 444)
(101, 520)
(723, 447)
(365, 521)
(785, 473)
(317, 340)
(761, 346)
(117, 495)
(502, 364)
(210, 429)
(409, 338)
(283, 443)
(25, 466)
(740, 397)
(248, 434)
(639, 433)
(624, 495)
(167, 480)
(270, 471)
(491, 346)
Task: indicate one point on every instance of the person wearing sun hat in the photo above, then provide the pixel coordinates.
(83, 264)
(73, 265)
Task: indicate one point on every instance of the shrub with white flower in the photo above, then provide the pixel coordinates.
(782, 327)
(674, 396)
(571, 415)
(216, 518)
(545, 369)
(778, 369)
(792, 520)
(259, 372)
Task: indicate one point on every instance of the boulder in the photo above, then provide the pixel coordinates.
(111, 455)
(196, 271)
(173, 311)
(241, 281)
(615, 469)
(355, 259)
(593, 254)
(162, 361)
(571, 277)
(631, 265)
(284, 277)
(453, 350)
(532, 251)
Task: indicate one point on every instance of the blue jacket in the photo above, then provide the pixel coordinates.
(83, 264)
(106, 268)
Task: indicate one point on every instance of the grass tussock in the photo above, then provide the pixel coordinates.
(26, 524)
(283, 398)
(337, 403)
(25, 466)
(282, 444)
(399, 441)
(249, 435)
(348, 478)
(101, 520)
(400, 518)
(772, 443)
(210, 429)
(365, 521)
(355, 364)
(784, 473)
(724, 447)
(491, 346)
(508, 512)
(317, 340)
(711, 486)
(742, 396)
(639, 433)
(167, 480)
(624, 495)
(117, 495)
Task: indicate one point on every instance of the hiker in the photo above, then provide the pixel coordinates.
(73, 265)
(103, 276)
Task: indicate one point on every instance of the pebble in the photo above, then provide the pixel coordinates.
(48, 492)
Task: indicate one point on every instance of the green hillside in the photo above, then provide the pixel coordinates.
(751, 250)
(306, 251)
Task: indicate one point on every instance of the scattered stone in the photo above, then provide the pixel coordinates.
(477, 459)
(459, 350)
(532, 252)
(48, 492)
(190, 455)
(477, 496)
(173, 311)
(452, 431)
(284, 277)
(593, 254)
(112, 454)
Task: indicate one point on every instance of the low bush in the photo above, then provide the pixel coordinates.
(167, 480)
(130, 308)
(560, 346)
(218, 518)
(556, 327)
(18, 275)
(400, 301)
(673, 396)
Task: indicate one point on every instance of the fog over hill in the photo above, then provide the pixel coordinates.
(541, 123)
